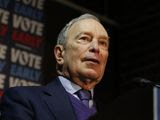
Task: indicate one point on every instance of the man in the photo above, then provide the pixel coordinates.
(81, 54)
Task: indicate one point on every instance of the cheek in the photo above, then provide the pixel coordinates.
(76, 54)
(73, 57)
(104, 56)
(104, 60)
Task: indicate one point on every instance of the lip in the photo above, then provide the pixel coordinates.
(90, 59)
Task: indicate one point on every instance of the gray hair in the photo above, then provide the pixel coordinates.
(62, 37)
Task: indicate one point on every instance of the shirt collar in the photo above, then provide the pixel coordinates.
(70, 86)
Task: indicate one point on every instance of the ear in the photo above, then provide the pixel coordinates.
(59, 52)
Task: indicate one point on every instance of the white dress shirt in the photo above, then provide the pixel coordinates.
(72, 88)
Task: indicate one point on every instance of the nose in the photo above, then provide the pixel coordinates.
(94, 47)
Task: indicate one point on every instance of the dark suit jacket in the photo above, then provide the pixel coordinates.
(48, 102)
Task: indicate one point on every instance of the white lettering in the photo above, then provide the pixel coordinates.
(2, 78)
(34, 3)
(25, 58)
(4, 16)
(28, 25)
(20, 82)
(3, 50)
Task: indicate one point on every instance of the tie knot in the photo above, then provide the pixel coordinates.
(84, 94)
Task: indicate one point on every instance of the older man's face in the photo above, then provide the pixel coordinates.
(86, 53)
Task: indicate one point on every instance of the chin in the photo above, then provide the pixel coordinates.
(93, 75)
(89, 81)
(89, 85)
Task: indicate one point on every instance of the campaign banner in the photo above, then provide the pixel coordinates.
(21, 42)
(156, 97)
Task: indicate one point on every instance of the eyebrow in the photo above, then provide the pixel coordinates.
(88, 33)
(85, 33)
(105, 37)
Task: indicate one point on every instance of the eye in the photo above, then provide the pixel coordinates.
(85, 38)
(103, 43)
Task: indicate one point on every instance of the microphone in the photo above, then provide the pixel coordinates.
(145, 82)
(138, 82)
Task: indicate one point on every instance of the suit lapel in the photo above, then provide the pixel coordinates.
(58, 101)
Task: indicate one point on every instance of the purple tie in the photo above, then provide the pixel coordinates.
(84, 96)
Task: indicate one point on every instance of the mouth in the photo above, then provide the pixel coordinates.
(93, 60)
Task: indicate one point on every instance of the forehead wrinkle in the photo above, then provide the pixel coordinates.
(97, 28)
(85, 33)
(77, 25)
(74, 27)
